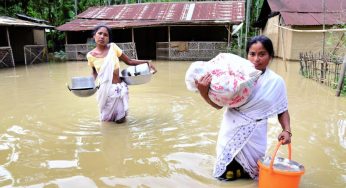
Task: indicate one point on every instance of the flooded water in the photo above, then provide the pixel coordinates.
(52, 138)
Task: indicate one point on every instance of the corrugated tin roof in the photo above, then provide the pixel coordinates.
(312, 18)
(307, 6)
(309, 13)
(9, 21)
(29, 18)
(155, 14)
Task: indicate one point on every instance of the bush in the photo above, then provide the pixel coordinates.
(59, 56)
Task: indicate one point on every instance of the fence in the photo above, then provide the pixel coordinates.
(35, 54)
(183, 50)
(324, 69)
(79, 51)
(6, 57)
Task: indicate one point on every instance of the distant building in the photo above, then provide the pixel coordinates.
(174, 31)
(296, 26)
(22, 41)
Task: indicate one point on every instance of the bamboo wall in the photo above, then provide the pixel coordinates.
(78, 51)
(189, 51)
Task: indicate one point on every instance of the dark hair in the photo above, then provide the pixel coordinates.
(265, 41)
(99, 27)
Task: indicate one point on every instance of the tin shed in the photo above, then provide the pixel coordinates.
(21, 41)
(175, 31)
(297, 26)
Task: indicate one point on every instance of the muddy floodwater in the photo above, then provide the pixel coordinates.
(52, 138)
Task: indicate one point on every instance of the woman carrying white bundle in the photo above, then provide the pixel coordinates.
(232, 81)
(242, 138)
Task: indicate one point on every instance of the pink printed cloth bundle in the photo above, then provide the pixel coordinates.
(233, 78)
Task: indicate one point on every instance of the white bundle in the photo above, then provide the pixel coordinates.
(233, 78)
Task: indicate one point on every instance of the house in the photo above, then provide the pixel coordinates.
(299, 26)
(174, 31)
(21, 41)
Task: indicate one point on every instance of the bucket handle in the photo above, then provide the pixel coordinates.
(276, 150)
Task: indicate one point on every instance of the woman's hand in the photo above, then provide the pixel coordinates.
(134, 62)
(285, 136)
(203, 84)
(152, 67)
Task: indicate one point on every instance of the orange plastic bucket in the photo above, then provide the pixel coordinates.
(280, 172)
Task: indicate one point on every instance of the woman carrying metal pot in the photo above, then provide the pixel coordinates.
(242, 138)
(112, 96)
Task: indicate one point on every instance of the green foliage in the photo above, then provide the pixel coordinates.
(10, 10)
(57, 12)
(343, 91)
(59, 56)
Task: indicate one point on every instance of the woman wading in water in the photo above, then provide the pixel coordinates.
(112, 96)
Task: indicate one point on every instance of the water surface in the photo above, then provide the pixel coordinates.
(52, 138)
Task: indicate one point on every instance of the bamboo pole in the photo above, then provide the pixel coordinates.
(283, 49)
(132, 35)
(341, 78)
(25, 55)
(169, 42)
(9, 45)
(337, 45)
(228, 36)
(247, 20)
(324, 27)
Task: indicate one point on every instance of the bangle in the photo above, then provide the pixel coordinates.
(288, 132)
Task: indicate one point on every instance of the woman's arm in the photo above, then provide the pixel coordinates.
(203, 85)
(134, 62)
(94, 73)
(285, 135)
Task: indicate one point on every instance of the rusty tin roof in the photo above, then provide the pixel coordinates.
(9, 21)
(310, 12)
(159, 14)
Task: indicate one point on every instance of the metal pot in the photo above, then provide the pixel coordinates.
(83, 82)
(83, 92)
(83, 86)
(135, 75)
(136, 80)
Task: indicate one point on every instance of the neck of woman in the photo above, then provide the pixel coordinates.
(102, 47)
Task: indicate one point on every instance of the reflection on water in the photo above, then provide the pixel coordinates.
(51, 138)
(342, 133)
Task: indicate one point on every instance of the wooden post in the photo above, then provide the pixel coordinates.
(8, 37)
(247, 20)
(45, 45)
(341, 78)
(228, 35)
(169, 42)
(66, 39)
(133, 44)
(9, 45)
(283, 48)
(25, 54)
(132, 35)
